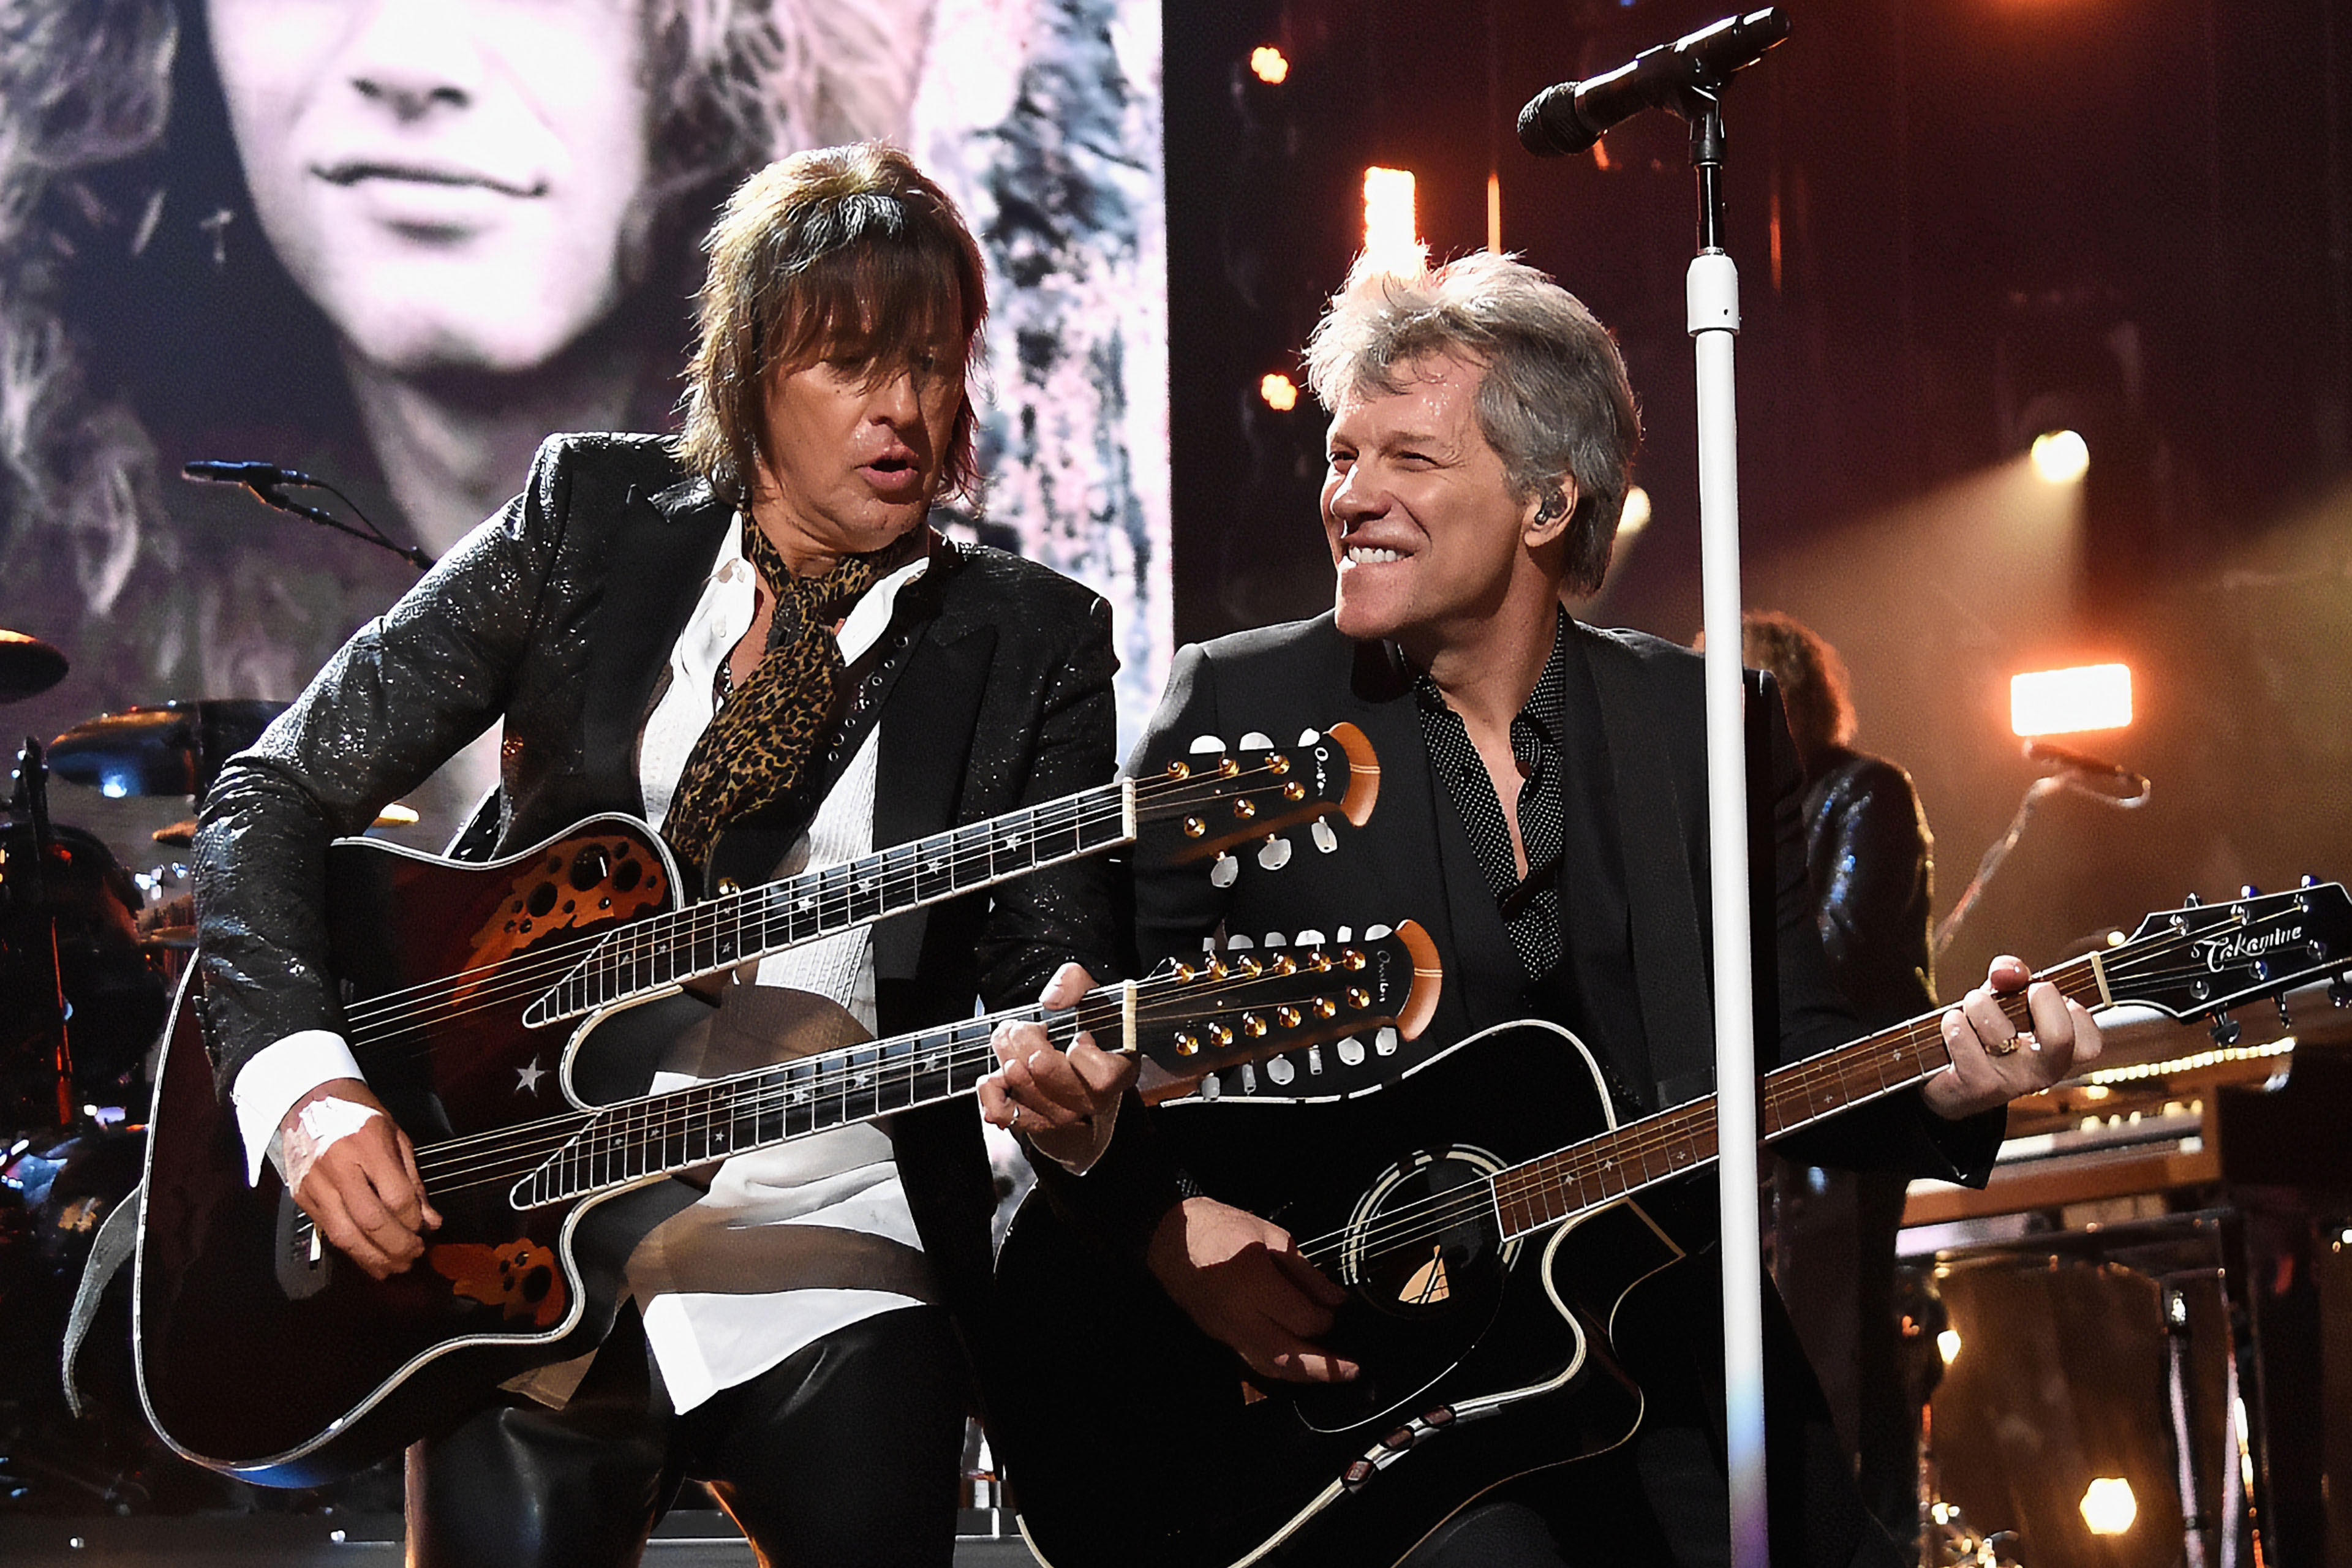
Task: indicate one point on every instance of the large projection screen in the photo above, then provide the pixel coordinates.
(182, 277)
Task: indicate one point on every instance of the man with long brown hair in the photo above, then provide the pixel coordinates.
(748, 626)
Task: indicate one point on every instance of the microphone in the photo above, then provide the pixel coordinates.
(2112, 780)
(1573, 116)
(222, 473)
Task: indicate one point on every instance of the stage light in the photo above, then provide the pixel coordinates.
(1636, 515)
(1270, 64)
(1281, 393)
(1948, 1345)
(2061, 457)
(1392, 231)
(2108, 1506)
(2060, 702)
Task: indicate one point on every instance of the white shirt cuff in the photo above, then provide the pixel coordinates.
(278, 1075)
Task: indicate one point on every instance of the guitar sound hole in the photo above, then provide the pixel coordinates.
(1425, 1269)
(1422, 1243)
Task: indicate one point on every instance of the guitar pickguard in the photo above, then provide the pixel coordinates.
(590, 880)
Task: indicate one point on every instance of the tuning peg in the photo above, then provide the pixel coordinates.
(1344, 935)
(2284, 1022)
(2191, 901)
(1374, 932)
(1257, 741)
(2249, 891)
(1203, 744)
(1224, 871)
(2340, 991)
(1352, 1052)
(1314, 1061)
(1275, 853)
(2308, 880)
(1278, 1070)
(1238, 943)
(1325, 839)
(1275, 939)
(1385, 1042)
(1309, 737)
(1249, 1078)
(1210, 1088)
(1310, 938)
(2225, 1030)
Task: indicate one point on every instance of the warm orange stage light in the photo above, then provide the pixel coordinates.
(1281, 393)
(2062, 702)
(1391, 228)
(1270, 65)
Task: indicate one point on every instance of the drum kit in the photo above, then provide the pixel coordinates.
(90, 952)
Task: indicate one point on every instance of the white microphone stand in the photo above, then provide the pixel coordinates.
(1712, 295)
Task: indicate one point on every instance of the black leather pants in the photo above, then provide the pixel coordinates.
(845, 1453)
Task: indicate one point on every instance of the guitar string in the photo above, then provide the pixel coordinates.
(554, 959)
(710, 914)
(1150, 990)
(1575, 1167)
(832, 904)
(1589, 1162)
(763, 1091)
(676, 1113)
(434, 1000)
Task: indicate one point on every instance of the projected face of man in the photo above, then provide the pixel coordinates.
(457, 183)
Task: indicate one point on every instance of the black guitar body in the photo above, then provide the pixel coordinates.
(1482, 1358)
(266, 1356)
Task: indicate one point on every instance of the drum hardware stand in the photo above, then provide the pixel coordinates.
(31, 799)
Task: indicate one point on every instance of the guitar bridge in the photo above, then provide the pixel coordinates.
(305, 1262)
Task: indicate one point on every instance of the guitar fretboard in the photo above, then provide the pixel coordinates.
(1544, 1190)
(663, 1133)
(707, 938)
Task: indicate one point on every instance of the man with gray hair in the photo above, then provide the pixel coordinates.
(1542, 815)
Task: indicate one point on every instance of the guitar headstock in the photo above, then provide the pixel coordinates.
(1241, 1004)
(1220, 797)
(2209, 958)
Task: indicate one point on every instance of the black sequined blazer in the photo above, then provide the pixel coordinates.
(558, 617)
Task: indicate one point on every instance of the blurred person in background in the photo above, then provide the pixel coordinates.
(1871, 860)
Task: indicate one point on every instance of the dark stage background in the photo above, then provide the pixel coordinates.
(1959, 223)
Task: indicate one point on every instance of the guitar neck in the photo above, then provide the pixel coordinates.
(1202, 1015)
(662, 1134)
(709, 938)
(1657, 1148)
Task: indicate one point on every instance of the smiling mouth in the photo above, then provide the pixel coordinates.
(1366, 555)
(355, 172)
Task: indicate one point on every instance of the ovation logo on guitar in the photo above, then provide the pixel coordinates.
(448, 973)
(1487, 1265)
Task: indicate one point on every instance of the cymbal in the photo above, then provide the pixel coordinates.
(181, 834)
(166, 748)
(28, 666)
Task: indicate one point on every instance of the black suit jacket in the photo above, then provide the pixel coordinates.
(1414, 860)
(558, 617)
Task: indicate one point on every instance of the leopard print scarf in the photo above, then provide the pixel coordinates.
(757, 747)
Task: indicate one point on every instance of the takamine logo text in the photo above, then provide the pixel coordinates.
(2239, 946)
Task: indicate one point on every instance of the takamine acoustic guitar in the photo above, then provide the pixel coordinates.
(1490, 1222)
(479, 997)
